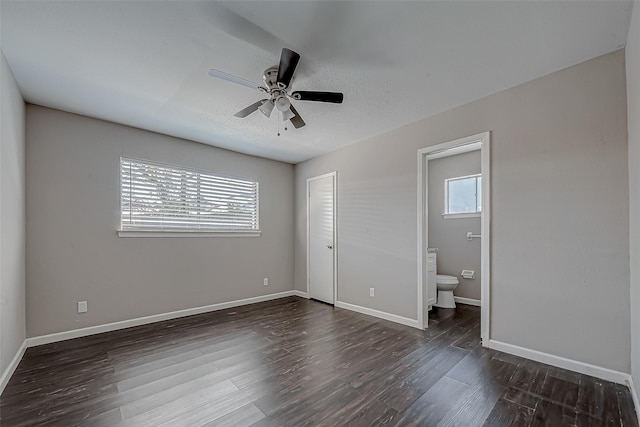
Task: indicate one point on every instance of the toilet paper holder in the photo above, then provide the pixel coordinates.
(468, 274)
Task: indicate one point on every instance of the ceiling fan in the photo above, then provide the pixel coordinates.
(277, 81)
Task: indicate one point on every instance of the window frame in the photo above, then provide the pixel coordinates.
(187, 232)
(475, 214)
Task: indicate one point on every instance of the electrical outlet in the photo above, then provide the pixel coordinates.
(82, 306)
(372, 292)
(266, 281)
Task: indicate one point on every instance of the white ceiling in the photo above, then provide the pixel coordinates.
(145, 63)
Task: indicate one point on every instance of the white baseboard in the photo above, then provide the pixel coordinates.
(468, 301)
(379, 314)
(6, 375)
(561, 362)
(76, 333)
(300, 294)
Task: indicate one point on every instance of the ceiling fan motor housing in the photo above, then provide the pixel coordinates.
(278, 93)
(270, 77)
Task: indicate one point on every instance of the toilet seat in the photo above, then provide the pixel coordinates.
(446, 280)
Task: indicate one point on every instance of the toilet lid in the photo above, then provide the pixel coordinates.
(446, 280)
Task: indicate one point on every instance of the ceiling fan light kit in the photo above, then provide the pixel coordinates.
(266, 108)
(277, 81)
(282, 103)
(287, 115)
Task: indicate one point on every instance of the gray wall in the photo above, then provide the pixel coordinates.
(560, 212)
(633, 114)
(450, 235)
(12, 218)
(74, 253)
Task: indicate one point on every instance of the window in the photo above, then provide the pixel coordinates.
(463, 196)
(156, 197)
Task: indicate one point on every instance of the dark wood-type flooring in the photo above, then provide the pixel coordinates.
(295, 362)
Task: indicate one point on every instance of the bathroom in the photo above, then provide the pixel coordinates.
(454, 200)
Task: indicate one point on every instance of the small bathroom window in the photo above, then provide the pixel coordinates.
(463, 196)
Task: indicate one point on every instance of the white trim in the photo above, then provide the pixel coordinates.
(379, 314)
(6, 375)
(462, 215)
(83, 332)
(468, 301)
(333, 174)
(485, 244)
(449, 148)
(300, 294)
(465, 148)
(195, 233)
(562, 362)
(423, 229)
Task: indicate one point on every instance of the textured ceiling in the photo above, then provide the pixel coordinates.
(145, 63)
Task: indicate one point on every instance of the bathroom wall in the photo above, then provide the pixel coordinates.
(559, 212)
(449, 235)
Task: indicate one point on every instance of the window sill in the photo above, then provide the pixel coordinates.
(462, 215)
(177, 233)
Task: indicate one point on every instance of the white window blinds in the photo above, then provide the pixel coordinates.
(165, 198)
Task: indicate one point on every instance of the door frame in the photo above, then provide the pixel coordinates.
(333, 174)
(484, 139)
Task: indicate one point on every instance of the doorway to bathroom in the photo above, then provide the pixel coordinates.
(454, 226)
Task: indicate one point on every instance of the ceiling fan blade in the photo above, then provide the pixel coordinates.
(233, 79)
(288, 63)
(296, 120)
(250, 109)
(335, 97)
(222, 17)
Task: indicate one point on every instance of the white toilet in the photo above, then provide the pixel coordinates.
(446, 285)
